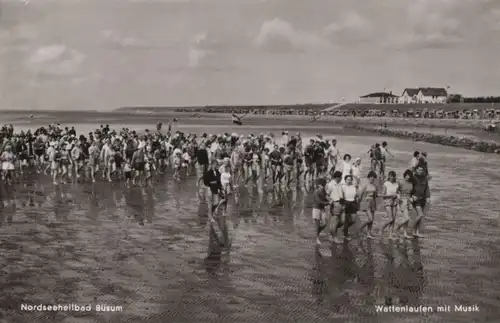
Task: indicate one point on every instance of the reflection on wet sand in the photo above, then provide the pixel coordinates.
(336, 278)
(404, 277)
(135, 204)
(349, 278)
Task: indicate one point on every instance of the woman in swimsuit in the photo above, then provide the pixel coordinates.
(93, 160)
(368, 202)
(265, 164)
(55, 162)
(256, 164)
(8, 160)
(405, 201)
(64, 162)
(391, 192)
(110, 164)
(225, 179)
(186, 160)
(77, 157)
(177, 164)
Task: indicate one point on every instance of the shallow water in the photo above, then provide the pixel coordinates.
(146, 249)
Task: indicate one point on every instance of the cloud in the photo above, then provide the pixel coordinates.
(429, 40)
(280, 36)
(431, 24)
(200, 49)
(434, 32)
(16, 38)
(351, 21)
(350, 28)
(20, 32)
(56, 60)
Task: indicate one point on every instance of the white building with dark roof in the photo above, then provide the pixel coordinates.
(432, 95)
(409, 96)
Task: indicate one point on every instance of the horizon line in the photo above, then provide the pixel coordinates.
(229, 105)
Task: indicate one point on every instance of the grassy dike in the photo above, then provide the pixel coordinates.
(446, 140)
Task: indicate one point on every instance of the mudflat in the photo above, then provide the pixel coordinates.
(148, 250)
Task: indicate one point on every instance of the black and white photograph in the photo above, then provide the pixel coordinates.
(249, 161)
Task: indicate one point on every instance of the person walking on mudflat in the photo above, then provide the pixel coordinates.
(336, 195)
(385, 152)
(421, 195)
(368, 202)
(390, 196)
(405, 201)
(212, 181)
(319, 208)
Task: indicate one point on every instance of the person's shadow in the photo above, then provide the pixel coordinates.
(407, 276)
(214, 254)
(202, 213)
(389, 278)
(150, 204)
(366, 274)
(135, 204)
(332, 277)
(418, 273)
(318, 278)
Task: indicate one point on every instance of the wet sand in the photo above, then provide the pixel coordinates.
(148, 250)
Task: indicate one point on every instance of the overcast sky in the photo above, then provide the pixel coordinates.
(103, 54)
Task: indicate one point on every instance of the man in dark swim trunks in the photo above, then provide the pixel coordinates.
(309, 157)
(420, 196)
(319, 159)
(276, 163)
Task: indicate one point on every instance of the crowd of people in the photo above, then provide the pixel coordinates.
(223, 162)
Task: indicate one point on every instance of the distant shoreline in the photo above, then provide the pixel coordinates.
(311, 106)
(347, 107)
(69, 117)
(461, 128)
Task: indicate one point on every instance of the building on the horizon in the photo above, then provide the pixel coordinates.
(409, 96)
(379, 97)
(424, 95)
(432, 95)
